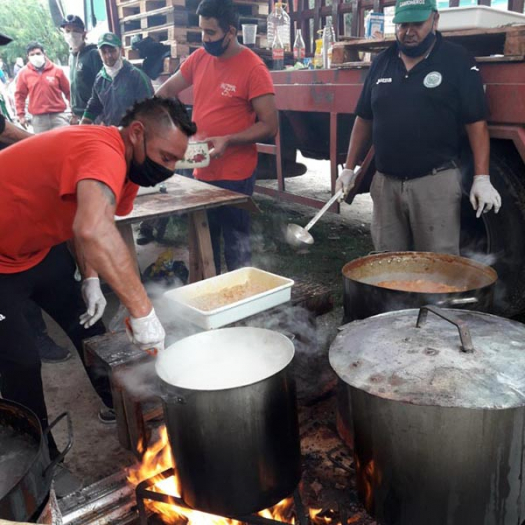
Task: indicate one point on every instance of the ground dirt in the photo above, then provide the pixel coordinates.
(338, 239)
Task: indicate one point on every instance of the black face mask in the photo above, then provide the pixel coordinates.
(420, 49)
(215, 48)
(149, 172)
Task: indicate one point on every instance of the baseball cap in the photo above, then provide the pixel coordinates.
(4, 39)
(109, 39)
(73, 20)
(413, 10)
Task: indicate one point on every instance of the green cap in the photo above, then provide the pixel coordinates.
(413, 10)
(109, 39)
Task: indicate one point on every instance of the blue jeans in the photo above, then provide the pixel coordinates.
(234, 225)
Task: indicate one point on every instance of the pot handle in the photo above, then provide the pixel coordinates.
(67, 448)
(464, 332)
(460, 301)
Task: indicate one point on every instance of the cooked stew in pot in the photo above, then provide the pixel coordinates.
(420, 285)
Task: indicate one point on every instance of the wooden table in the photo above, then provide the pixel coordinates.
(184, 196)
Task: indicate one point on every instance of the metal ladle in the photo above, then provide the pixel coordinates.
(298, 236)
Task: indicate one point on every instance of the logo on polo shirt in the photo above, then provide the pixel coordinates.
(433, 79)
(384, 81)
(2, 317)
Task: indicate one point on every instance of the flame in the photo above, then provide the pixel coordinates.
(157, 458)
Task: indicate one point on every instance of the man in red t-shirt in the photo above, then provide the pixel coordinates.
(234, 108)
(68, 184)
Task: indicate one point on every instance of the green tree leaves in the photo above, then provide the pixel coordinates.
(28, 20)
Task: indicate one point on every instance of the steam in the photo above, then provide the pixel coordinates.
(297, 323)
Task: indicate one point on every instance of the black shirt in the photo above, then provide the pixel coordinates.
(2, 123)
(83, 68)
(419, 116)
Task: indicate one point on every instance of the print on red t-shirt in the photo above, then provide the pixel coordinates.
(222, 91)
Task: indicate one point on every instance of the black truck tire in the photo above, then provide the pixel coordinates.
(498, 239)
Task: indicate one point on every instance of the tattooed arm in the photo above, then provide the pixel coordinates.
(100, 248)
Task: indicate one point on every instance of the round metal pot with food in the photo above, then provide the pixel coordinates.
(437, 403)
(389, 281)
(231, 414)
(25, 468)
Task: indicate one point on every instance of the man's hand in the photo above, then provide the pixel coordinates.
(219, 145)
(73, 120)
(483, 195)
(23, 122)
(95, 301)
(146, 332)
(345, 181)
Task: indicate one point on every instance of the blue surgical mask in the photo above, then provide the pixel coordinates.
(215, 48)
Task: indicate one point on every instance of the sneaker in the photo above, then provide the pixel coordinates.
(49, 351)
(65, 482)
(107, 416)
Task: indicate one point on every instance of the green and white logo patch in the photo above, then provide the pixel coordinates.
(433, 80)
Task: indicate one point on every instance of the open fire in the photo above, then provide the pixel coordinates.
(158, 458)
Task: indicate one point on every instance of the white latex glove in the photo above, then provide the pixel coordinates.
(95, 301)
(345, 181)
(146, 332)
(483, 195)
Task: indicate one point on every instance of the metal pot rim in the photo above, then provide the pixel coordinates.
(254, 354)
(487, 272)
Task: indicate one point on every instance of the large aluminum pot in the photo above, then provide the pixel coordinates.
(438, 412)
(363, 298)
(26, 470)
(230, 409)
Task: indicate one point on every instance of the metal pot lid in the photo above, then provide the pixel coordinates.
(224, 358)
(389, 356)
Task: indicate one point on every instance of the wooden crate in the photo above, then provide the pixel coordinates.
(506, 40)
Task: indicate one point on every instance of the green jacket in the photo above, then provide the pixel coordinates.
(111, 98)
(83, 69)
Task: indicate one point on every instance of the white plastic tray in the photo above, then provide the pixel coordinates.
(477, 17)
(278, 291)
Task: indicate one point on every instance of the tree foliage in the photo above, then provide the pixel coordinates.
(28, 20)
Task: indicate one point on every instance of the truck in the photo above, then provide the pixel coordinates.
(316, 107)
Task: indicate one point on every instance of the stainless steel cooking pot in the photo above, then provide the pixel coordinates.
(438, 412)
(230, 409)
(25, 468)
(363, 297)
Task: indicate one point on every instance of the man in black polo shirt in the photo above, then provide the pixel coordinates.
(419, 97)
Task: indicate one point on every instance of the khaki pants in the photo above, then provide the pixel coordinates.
(420, 214)
(48, 121)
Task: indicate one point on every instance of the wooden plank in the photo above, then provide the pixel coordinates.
(184, 195)
(203, 239)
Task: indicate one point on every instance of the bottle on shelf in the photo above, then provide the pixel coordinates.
(277, 52)
(279, 22)
(318, 55)
(328, 42)
(299, 49)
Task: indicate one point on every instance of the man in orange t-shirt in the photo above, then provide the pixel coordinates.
(234, 108)
(68, 184)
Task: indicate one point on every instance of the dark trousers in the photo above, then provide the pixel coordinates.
(234, 225)
(51, 285)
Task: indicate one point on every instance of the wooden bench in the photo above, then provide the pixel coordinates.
(114, 353)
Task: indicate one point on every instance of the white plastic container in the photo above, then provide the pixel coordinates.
(277, 290)
(477, 17)
(197, 156)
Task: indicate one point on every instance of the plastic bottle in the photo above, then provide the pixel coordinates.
(328, 43)
(277, 52)
(299, 49)
(318, 55)
(279, 22)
